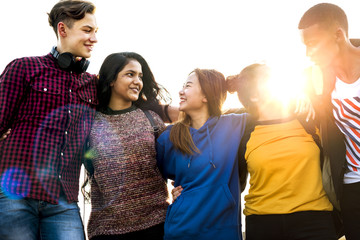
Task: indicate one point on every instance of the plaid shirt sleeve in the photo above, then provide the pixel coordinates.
(13, 85)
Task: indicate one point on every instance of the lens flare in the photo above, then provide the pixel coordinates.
(15, 183)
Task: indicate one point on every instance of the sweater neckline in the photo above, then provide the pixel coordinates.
(109, 111)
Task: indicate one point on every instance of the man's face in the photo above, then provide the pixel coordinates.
(321, 44)
(81, 37)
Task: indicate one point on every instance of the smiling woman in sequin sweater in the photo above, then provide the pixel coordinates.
(128, 194)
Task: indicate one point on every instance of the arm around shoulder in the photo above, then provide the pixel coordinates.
(160, 152)
(172, 113)
(163, 154)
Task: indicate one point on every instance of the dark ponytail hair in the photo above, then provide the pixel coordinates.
(245, 84)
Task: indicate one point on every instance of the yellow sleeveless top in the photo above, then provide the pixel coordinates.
(284, 166)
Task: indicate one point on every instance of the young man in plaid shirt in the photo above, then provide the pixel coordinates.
(48, 103)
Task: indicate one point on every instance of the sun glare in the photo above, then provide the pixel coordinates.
(291, 81)
(232, 102)
(286, 84)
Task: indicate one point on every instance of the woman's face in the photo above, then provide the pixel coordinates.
(128, 84)
(191, 95)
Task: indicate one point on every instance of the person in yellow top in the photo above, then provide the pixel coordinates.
(286, 199)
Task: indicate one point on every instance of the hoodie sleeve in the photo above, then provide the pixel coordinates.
(237, 121)
(163, 156)
(160, 156)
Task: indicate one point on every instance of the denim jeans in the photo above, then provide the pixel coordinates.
(29, 219)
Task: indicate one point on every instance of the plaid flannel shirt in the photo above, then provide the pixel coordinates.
(49, 112)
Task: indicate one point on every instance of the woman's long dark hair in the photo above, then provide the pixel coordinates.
(149, 97)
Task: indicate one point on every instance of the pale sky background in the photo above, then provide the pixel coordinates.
(176, 36)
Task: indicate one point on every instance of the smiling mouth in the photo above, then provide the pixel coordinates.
(90, 47)
(135, 90)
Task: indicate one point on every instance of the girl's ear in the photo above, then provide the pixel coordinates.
(204, 100)
(111, 84)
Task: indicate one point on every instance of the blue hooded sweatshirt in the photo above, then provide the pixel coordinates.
(209, 205)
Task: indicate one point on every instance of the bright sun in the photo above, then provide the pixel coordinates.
(287, 83)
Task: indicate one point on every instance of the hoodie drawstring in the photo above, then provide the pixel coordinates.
(211, 148)
(210, 152)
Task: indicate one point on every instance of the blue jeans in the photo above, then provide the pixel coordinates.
(29, 219)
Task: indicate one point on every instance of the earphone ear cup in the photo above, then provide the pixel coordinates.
(85, 65)
(66, 61)
(81, 66)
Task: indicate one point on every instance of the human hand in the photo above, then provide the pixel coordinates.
(175, 192)
(5, 134)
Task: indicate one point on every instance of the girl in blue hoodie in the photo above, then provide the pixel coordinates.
(200, 154)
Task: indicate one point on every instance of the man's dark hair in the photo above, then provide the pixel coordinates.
(324, 14)
(68, 11)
